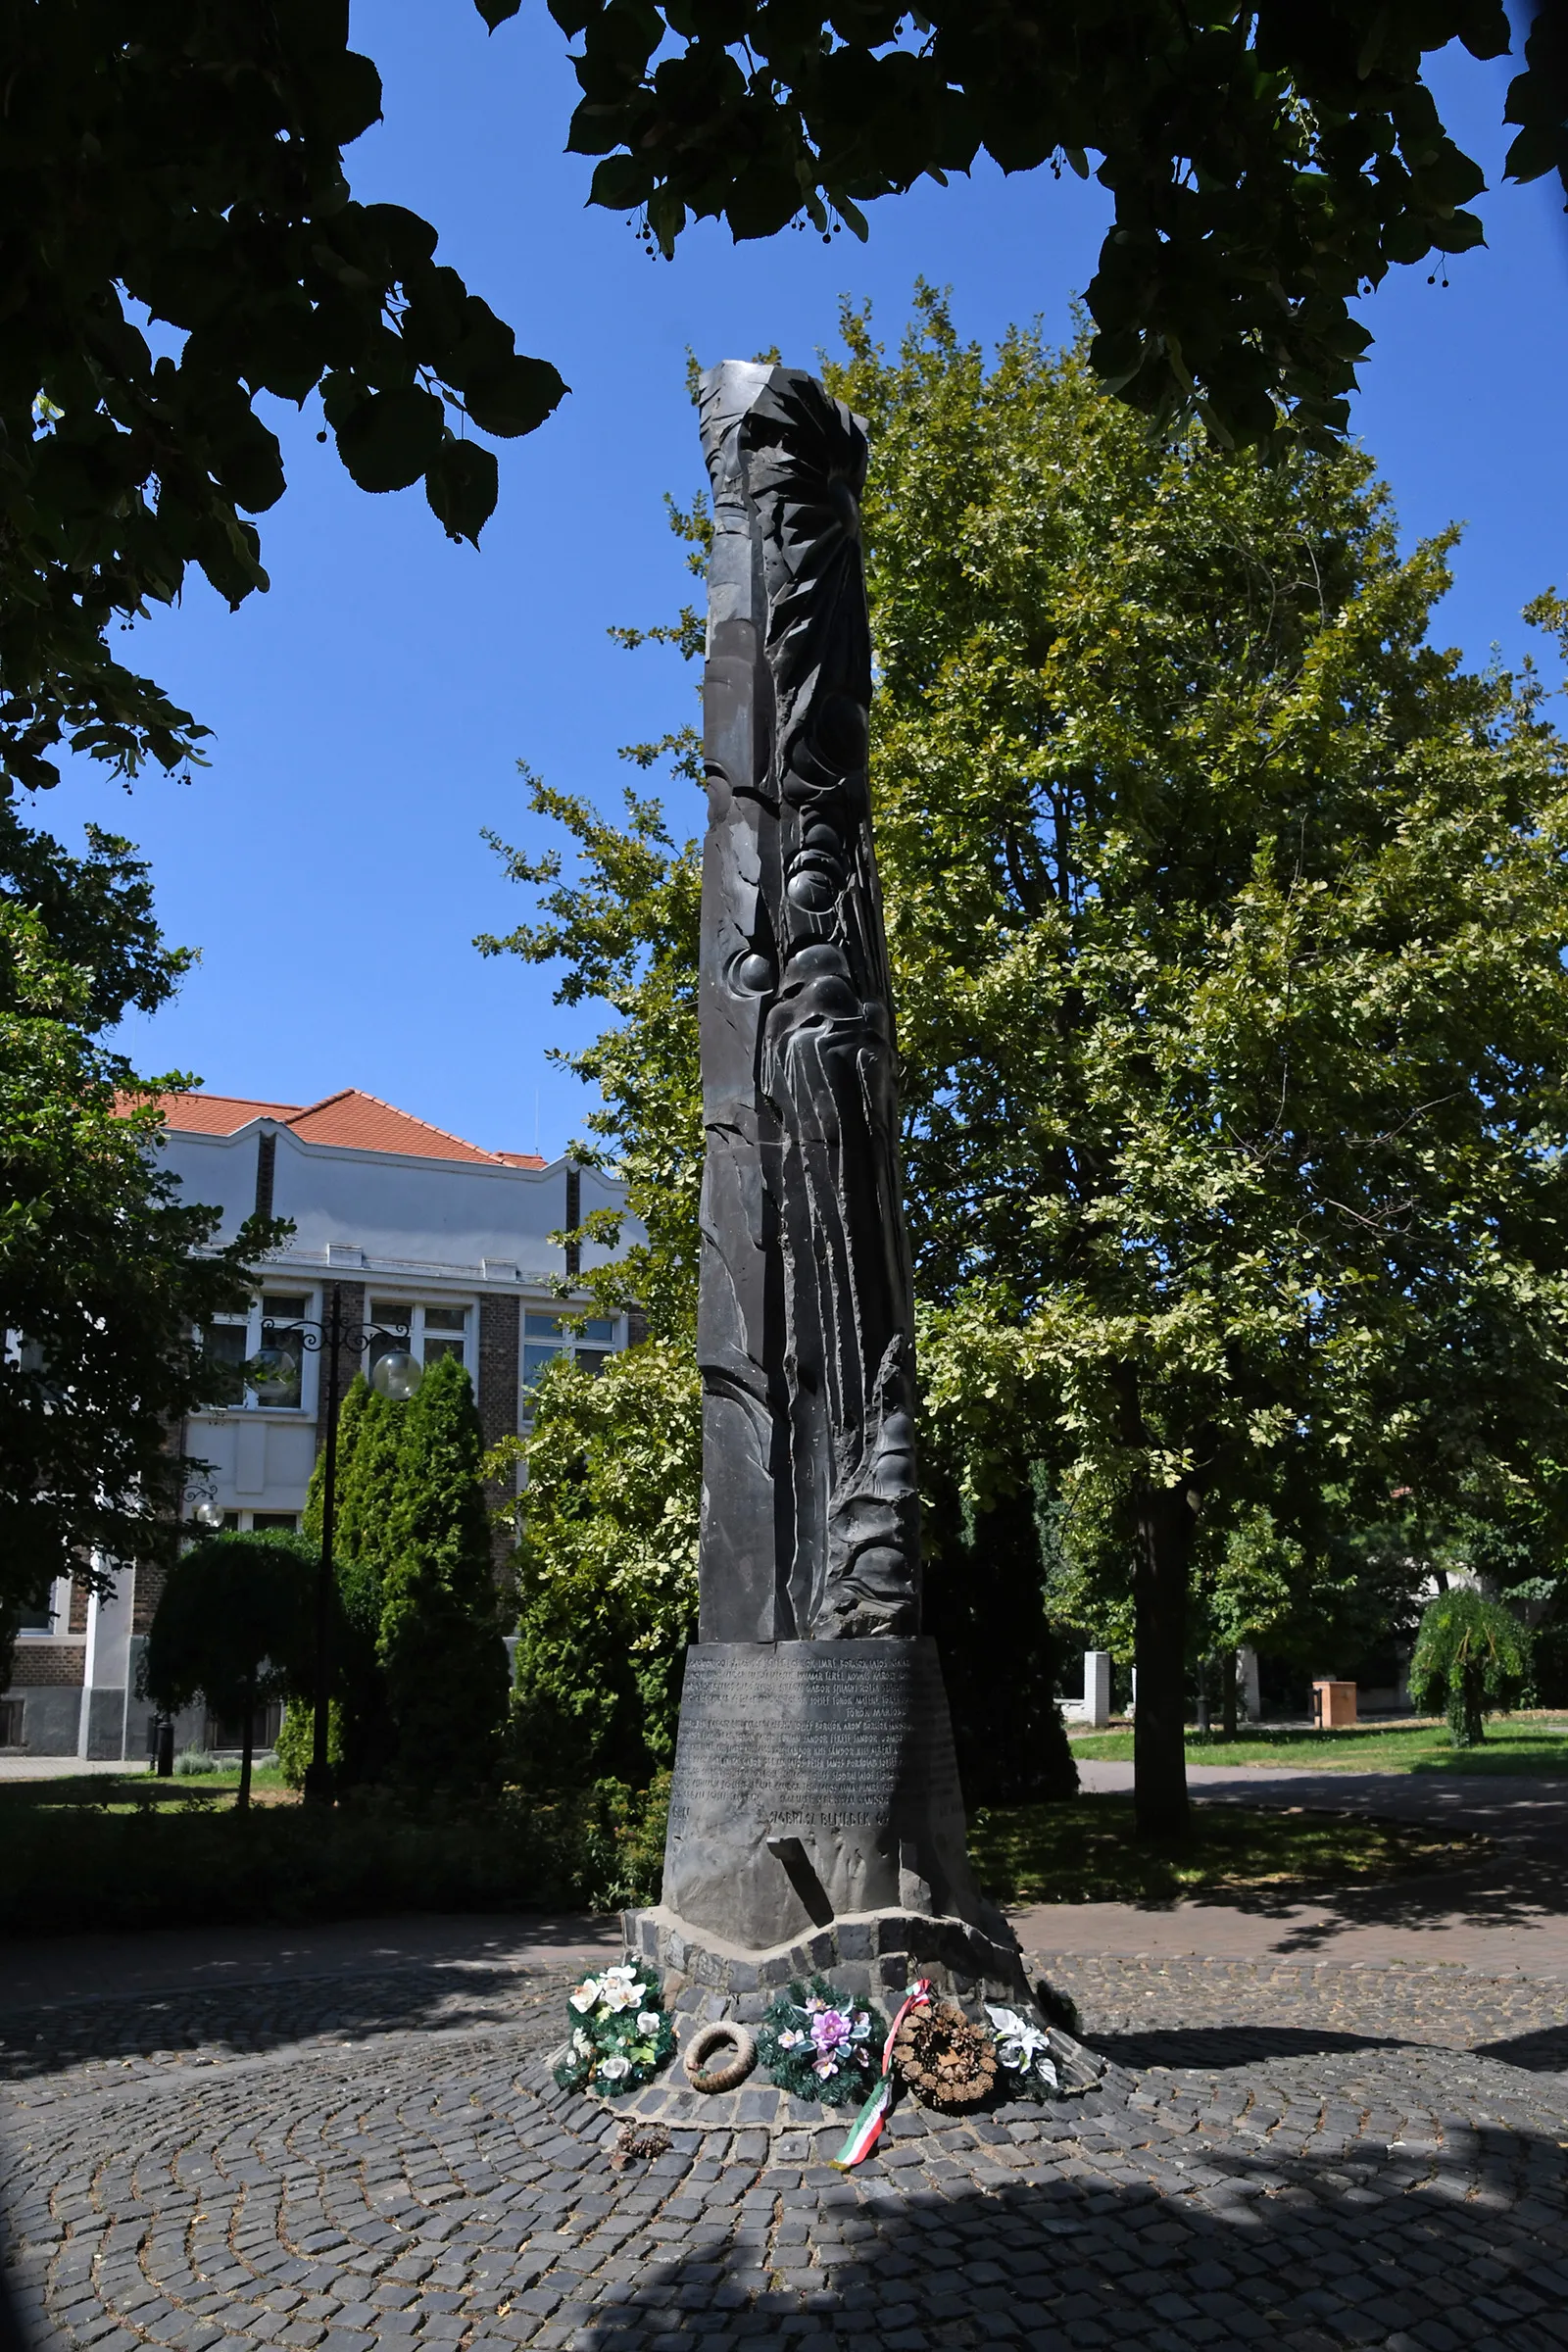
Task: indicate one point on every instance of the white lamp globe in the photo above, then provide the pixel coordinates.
(396, 1375)
(208, 1513)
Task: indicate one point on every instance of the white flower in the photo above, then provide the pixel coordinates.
(616, 1997)
(583, 1996)
(613, 2068)
(1020, 2045)
(649, 2021)
(583, 2044)
(789, 2039)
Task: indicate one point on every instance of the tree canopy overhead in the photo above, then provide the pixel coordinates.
(181, 165)
(1267, 162)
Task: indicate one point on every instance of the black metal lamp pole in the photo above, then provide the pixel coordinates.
(318, 1771)
(331, 1337)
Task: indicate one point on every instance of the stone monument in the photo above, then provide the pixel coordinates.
(816, 1821)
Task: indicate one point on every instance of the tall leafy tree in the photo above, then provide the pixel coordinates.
(440, 1641)
(1228, 915)
(1227, 919)
(607, 1567)
(1267, 163)
(107, 1273)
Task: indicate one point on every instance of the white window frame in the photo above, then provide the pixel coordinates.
(251, 1322)
(383, 1307)
(59, 1627)
(564, 1344)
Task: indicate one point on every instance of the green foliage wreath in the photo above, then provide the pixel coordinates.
(620, 2034)
(821, 2044)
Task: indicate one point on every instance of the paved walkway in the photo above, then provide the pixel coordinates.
(346, 2139)
(1508, 1911)
(1250, 2174)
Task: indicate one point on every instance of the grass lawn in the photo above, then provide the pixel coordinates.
(1531, 1743)
(104, 1852)
(98, 1851)
(1084, 1852)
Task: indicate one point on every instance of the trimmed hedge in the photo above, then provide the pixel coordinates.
(75, 1866)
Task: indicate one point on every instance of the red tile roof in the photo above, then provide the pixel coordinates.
(351, 1120)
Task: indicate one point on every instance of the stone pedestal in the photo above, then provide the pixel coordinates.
(816, 1826)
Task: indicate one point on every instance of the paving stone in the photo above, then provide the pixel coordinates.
(1301, 2153)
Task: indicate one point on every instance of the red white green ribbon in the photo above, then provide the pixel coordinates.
(874, 2114)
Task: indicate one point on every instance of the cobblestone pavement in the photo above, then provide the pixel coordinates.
(1304, 2154)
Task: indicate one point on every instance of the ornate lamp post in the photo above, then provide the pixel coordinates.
(396, 1375)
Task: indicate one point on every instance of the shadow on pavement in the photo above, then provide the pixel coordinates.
(244, 2021)
(1240, 2046)
(1401, 2250)
(1542, 2053)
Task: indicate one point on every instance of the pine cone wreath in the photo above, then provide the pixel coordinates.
(944, 2060)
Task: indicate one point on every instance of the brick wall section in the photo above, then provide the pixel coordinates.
(500, 1363)
(349, 1360)
(38, 1664)
(77, 1620)
(151, 1578)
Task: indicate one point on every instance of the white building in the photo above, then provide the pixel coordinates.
(417, 1232)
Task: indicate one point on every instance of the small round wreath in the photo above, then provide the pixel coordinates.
(944, 2060)
(741, 2048)
(821, 2044)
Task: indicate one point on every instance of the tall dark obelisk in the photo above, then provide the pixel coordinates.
(816, 1814)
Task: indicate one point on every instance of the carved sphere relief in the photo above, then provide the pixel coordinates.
(843, 505)
(753, 975)
(841, 735)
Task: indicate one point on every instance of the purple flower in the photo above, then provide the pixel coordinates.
(830, 2028)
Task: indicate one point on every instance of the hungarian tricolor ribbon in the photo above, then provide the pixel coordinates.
(874, 2114)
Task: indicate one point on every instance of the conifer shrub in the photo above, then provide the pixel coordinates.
(439, 1643)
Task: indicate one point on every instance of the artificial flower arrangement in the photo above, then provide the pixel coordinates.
(821, 2044)
(620, 2034)
(1023, 2050)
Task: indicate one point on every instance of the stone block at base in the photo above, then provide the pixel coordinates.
(873, 1954)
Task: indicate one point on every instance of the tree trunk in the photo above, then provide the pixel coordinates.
(1160, 1595)
(247, 1734)
(1229, 1662)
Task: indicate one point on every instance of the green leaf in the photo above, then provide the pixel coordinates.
(620, 183)
(495, 12)
(514, 397)
(462, 484)
(389, 439)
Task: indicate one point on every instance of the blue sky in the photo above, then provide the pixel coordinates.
(368, 712)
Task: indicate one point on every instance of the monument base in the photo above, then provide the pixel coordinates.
(873, 1955)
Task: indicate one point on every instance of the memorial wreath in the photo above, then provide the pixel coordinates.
(946, 2061)
(821, 2044)
(620, 2034)
(1023, 2051)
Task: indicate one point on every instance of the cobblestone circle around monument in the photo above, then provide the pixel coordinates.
(1298, 2153)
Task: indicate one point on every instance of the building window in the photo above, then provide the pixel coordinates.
(258, 1359)
(11, 1722)
(227, 1732)
(244, 1523)
(544, 1338)
(47, 1616)
(432, 1331)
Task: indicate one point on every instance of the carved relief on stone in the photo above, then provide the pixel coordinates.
(810, 1512)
